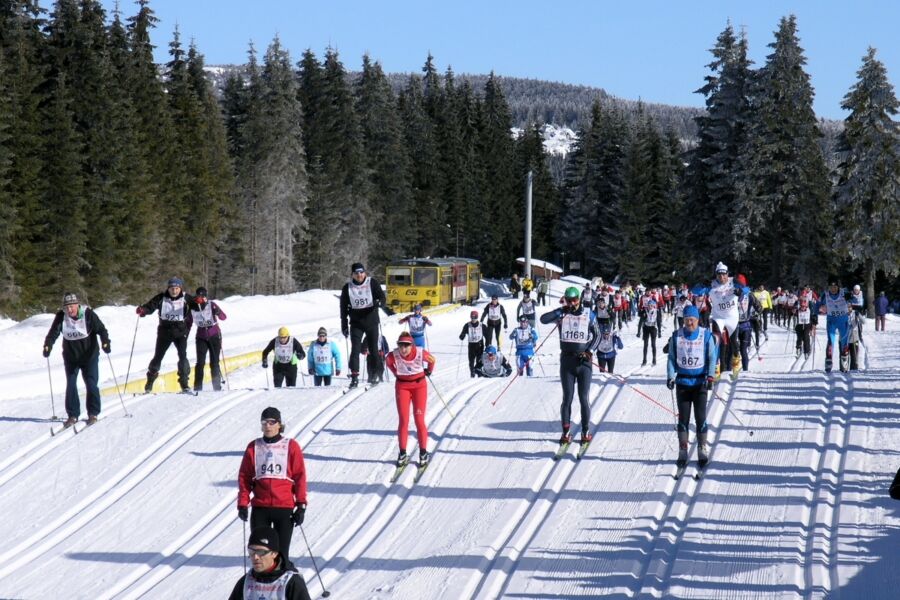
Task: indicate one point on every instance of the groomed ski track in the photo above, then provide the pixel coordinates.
(144, 507)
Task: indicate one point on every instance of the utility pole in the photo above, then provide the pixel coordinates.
(528, 227)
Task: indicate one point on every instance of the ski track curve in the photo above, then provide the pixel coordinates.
(146, 577)
(673, 514)
(490, 580)
(115, 487)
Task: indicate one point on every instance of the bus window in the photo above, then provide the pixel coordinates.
(425, 277)
(398, 277)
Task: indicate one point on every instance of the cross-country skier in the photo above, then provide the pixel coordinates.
(682, 303)
(601, 310)
(606, 348)
(765, 302)
(587, 296)
(273, 472)
(288, 352)
(651, 320)
(691, 371)
(543, 289)
(323, 359)
(881, 309)
(527, 309)
(417, 323)
(620, 308)
(524, 336)
(492, 364)
(207, 339)
(475, 332)
(723, 301)
(375, 370)
(494, 313)
(579, 336)
(857, 300)
(271, 576)
(834, 304)
(806, 323)
(411, 366)
(79, 326)
(361, 298)
(854, 333)
(174, 307)
(748, 308)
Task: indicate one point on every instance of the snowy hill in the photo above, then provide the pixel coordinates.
(794, 503)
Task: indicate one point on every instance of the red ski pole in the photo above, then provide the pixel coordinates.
(517, 373)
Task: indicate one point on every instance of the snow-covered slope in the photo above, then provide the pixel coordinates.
(794, 503)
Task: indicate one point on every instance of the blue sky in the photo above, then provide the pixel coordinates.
(654, 50)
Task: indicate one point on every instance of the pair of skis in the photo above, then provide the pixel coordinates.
(701, 469)
(564, 448)
(420, 470)
(74, 427)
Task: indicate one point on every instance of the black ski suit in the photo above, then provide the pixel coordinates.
(80, 355)
(476, 333)
(493, 322)
(359, 318)
(173, 328)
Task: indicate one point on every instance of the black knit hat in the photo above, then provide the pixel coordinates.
(271, 413)
(265, 537)
(357, 267)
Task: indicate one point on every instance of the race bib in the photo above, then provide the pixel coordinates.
(74, 329)
(494, 312)
(257, 590)
(204, 318)
(689, 353)
(322, 354)
(836, 307)
(803, 317)
(361, 295)
(284, 353)
(574, 328)
(172, 310)
(409, 367)
(475, 334)
(606, 343)
(271, 459)
(523, 337)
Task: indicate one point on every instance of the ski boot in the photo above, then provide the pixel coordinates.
(91, 420)
(69, 422)
(586, 437)
(402, 458)
(566, 437)
(424, 457)
(151, 377)
(354, 382)
(682, 448)
(702, 450)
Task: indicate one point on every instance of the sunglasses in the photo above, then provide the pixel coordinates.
(259, 551)
(323, 335)
(404, 344)
(573, 300)
(269, 422)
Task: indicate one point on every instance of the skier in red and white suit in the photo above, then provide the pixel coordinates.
(411, 365)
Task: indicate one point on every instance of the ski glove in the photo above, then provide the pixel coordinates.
(345, 331)
(298, 515)
(312, 371)
(141, 311)
(670, 384)
(46, 351)
(710, 383)
(265, 364)
(338, 373)
(389, 311)
(427, 372)
(106, 347)
(585, 357)
(242, 513)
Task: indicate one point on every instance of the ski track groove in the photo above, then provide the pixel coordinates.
(104, 496)
(492, 582)
(359, 538)
(144, 578)
(820, 552)
(676, 513)
(40, 446)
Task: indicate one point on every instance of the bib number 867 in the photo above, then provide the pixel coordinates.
(690, 361)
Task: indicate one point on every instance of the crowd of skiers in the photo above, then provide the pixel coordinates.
(713, 330)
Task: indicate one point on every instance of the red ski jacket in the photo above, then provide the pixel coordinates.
(284, 491)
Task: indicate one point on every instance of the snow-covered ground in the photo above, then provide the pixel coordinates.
(794, 503)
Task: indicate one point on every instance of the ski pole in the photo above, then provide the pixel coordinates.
(436, 391)
(674, 408)
(244, 544)
(543, 372)
(266, 369)
(459, 358)
(52, 399)
(624, 382)
(116, 381)
(536, 350)
(325, 593)
(130, 354)
(733, 414)
(224, 365)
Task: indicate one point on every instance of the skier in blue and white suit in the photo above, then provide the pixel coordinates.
(834, 304)
(524, 336)
(693, 355)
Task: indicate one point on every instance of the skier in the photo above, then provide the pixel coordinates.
(691, 368)
(476, 332)
(579, 336)
(514, 285)
(526, 309)
(494, 312)
(651, 318)
(492, 364)
(174, 307)
(274, 473)
(543, 289)
(606, 349)
(288, 352)
(854, 334)
(601, 311)
(323, 359)
(683, 302)
(524, 337)
(271, 575)
(834, 304)
(620, 308)
(417, 323)
(587, 297)
(207, 339)
(375, 368)
(806, 324)
(857, 300)
(748, 308)
(881, 308)
(723, 302)
(765, 301)
(79, 326)
(411, 365)
(360, 299)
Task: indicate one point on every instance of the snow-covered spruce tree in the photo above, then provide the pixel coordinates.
(785, 202)
(867, 194)
(7, 205)
(449, 134)
(714, 172)
(387, 165)
(574, 223)
(474, 236)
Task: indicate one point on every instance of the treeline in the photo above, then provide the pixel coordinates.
(761, 190)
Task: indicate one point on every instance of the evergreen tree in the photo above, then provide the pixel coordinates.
(786, 194)
(866, 195)
(638, 196)
(715, 173)
(387, 165)
(7, 203)
(469, 182)
(544, 195)
(497, 154)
